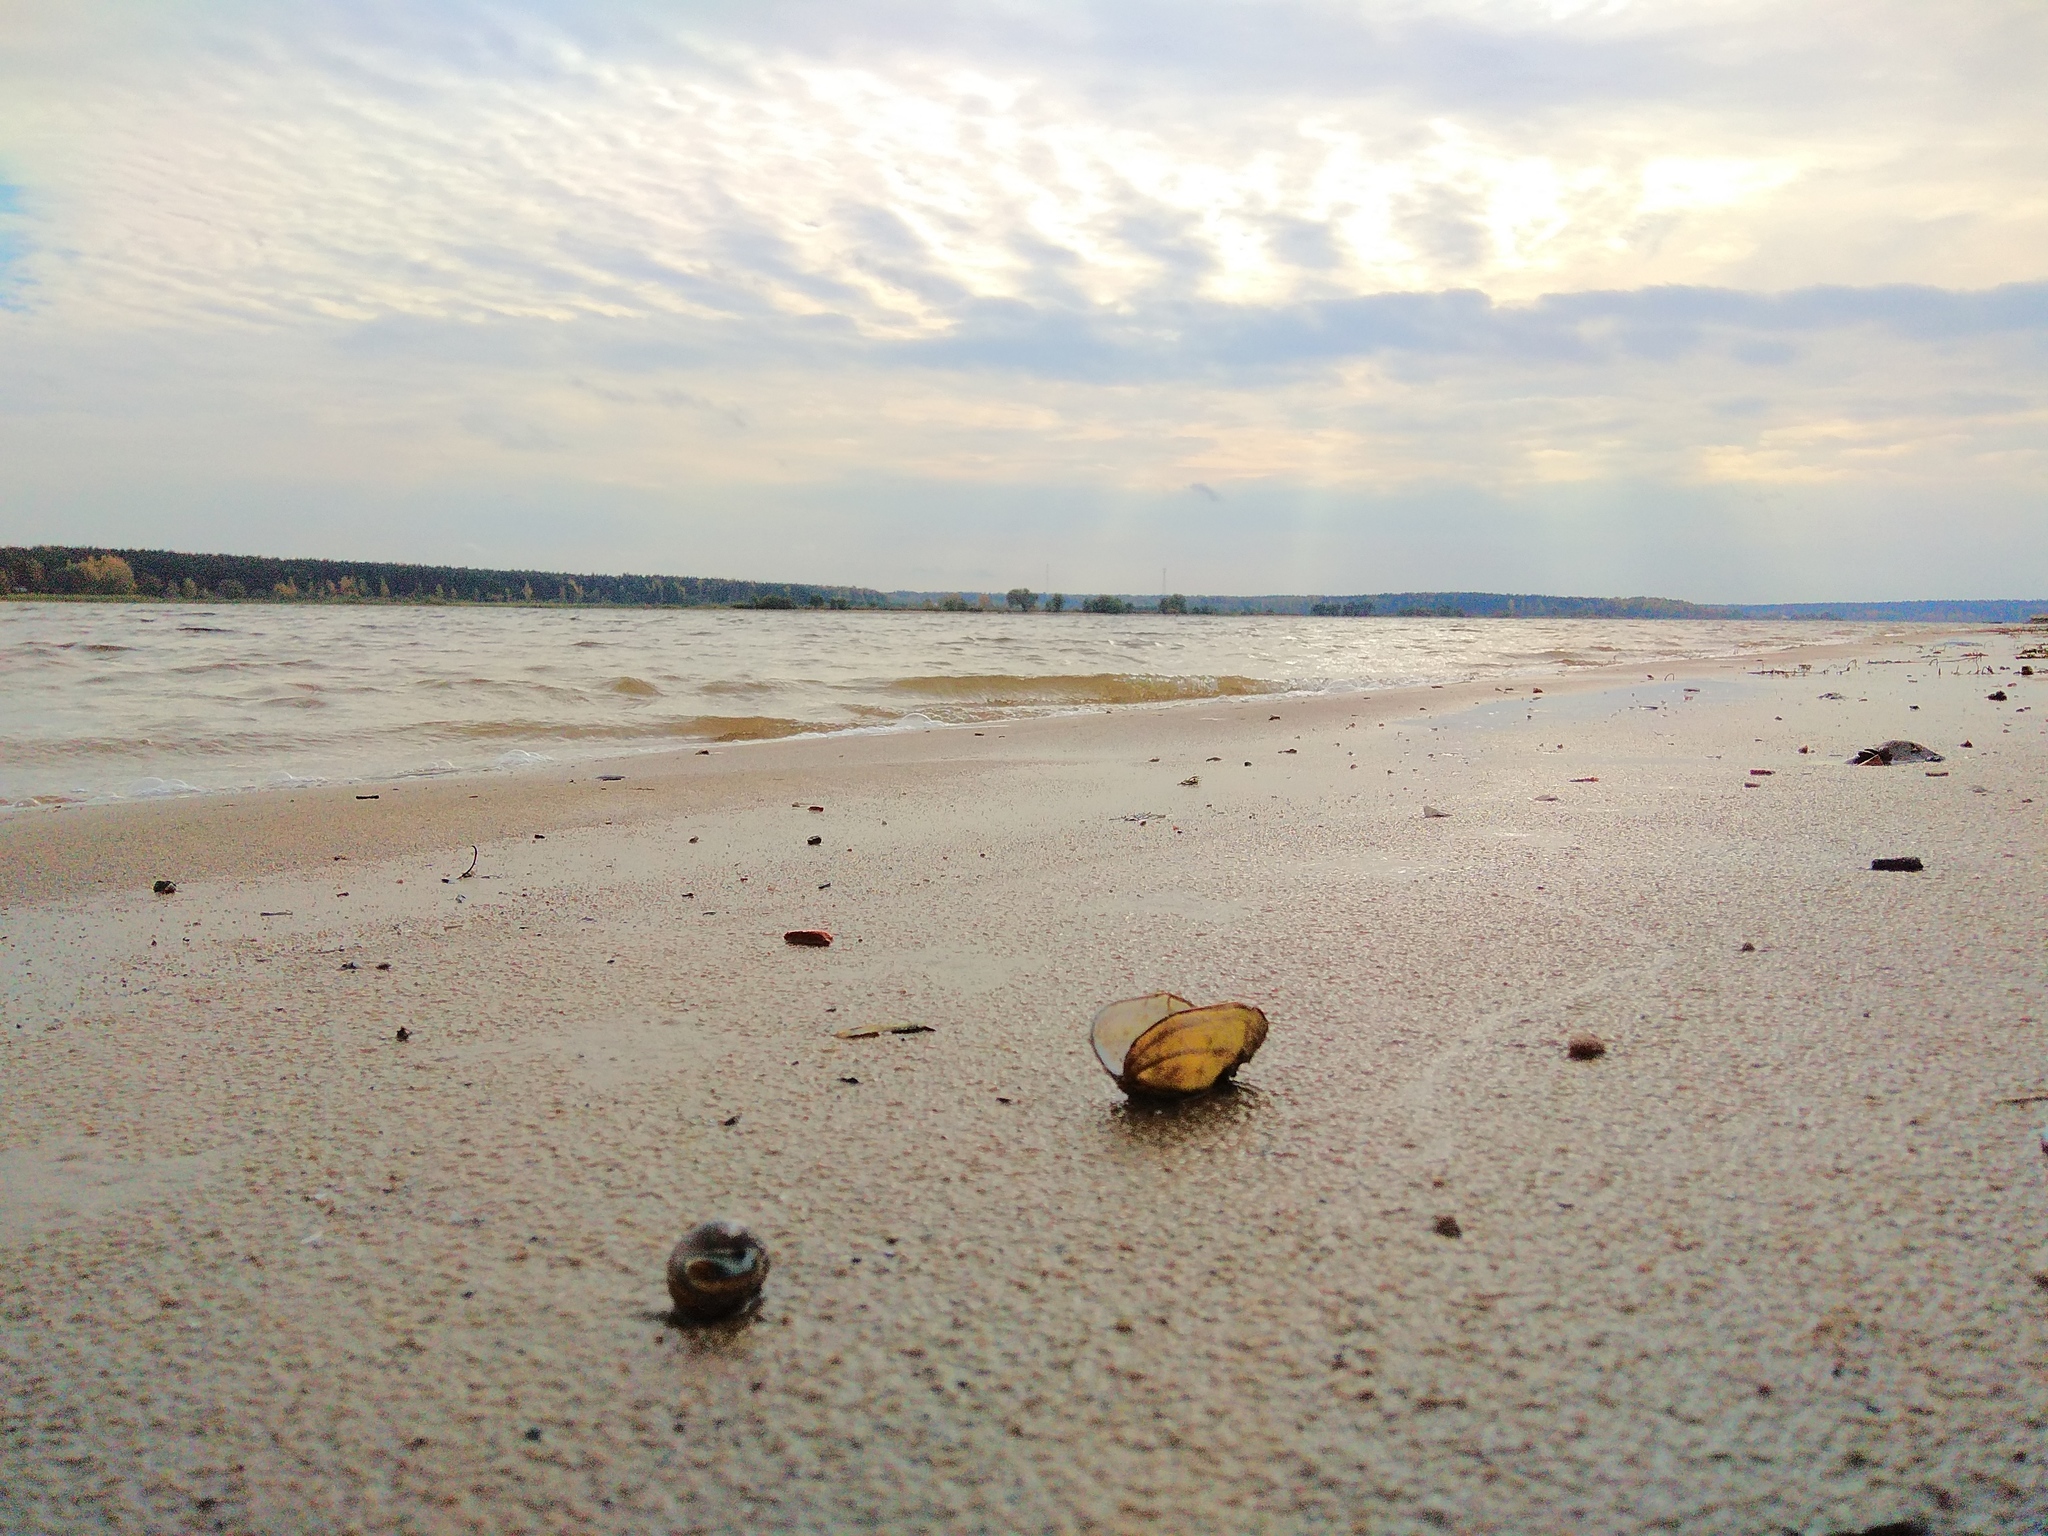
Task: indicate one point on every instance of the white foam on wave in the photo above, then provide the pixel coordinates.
(149, 789)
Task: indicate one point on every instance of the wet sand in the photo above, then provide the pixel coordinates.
(1767, 1265)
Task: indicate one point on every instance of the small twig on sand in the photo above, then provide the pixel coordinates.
(2027, 1098)
(472, 864)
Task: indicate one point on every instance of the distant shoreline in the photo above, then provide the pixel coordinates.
(1952, 612)
(93, 573)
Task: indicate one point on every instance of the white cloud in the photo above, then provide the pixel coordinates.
(337, 178)
(1110, 246)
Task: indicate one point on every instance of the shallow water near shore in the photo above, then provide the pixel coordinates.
(123, 700)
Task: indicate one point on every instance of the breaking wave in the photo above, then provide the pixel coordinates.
(1003, 691)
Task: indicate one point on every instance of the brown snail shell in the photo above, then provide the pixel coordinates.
(1162, 1046)
(716, 1269)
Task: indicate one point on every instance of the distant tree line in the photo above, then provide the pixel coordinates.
(1404, 605)
(60, 570)
(57, 570)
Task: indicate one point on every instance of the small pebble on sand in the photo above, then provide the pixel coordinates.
(1447, 1226)
(716, 1270)
(1585, 1047)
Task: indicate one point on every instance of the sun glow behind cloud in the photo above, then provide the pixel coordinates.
(1482, 248)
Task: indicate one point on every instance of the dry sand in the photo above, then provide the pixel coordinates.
(1769, 1264)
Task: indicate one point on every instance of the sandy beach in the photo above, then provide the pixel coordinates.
(1777, 1261)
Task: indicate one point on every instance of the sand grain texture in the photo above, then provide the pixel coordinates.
(1766, 1265)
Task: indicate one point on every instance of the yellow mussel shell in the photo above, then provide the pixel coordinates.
(1163, 1046)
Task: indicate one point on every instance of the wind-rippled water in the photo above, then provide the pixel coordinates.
(102, 700)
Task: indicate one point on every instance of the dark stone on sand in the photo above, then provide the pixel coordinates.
(812, 842)
(165, 888)
(808, 938)
(716, 1270)
(1585, 1047)
(1447, 1226)
(1888, 752)
(403, 1034)
(1997, 696)
(1909, 864)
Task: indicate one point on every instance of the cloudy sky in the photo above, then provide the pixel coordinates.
(1720, 299)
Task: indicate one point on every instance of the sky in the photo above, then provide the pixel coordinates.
(1716, 299)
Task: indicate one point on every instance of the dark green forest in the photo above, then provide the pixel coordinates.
(52, 570)
(57, 570)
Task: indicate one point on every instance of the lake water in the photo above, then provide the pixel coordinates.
(105, 700)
